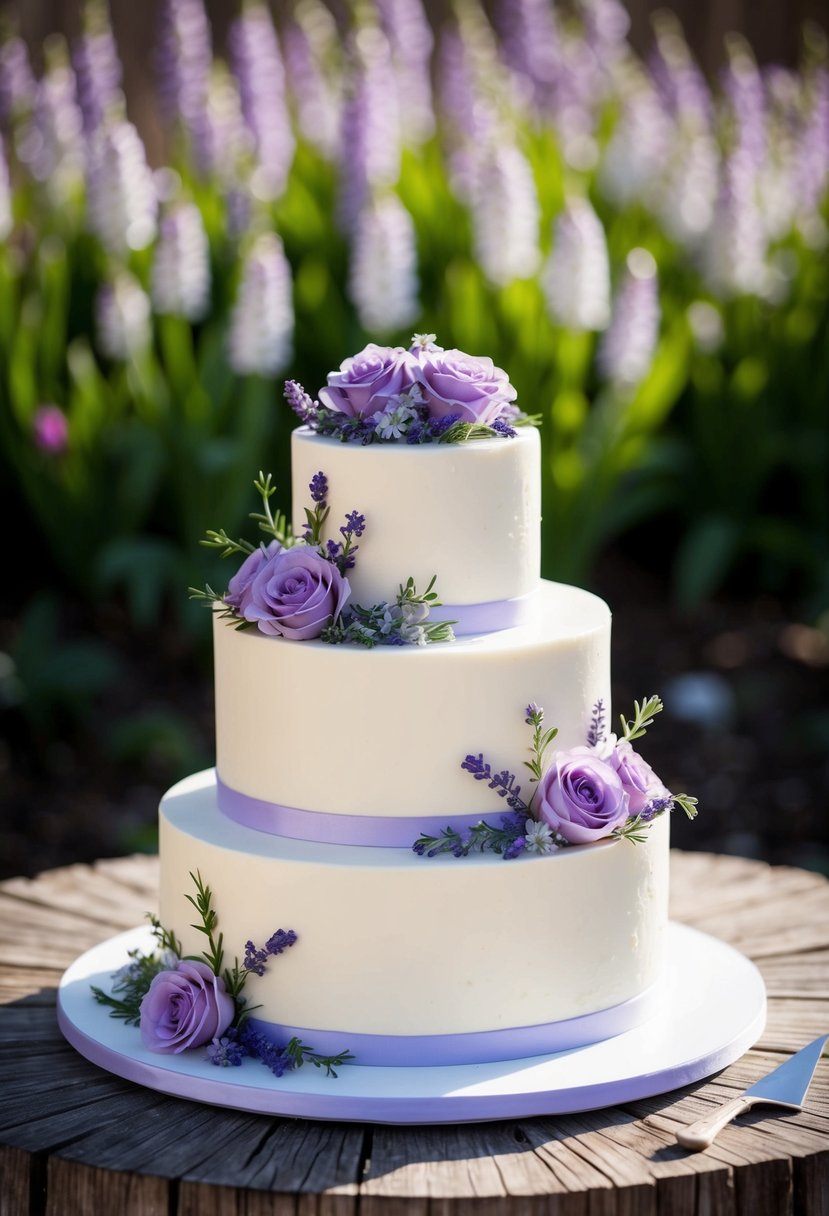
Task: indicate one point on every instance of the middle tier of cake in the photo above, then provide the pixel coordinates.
(307, 732)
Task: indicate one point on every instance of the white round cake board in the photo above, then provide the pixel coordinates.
(711, 1009)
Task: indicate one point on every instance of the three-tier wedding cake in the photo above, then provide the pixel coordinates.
(362, 745)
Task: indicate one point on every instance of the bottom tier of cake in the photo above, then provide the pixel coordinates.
(409, 960)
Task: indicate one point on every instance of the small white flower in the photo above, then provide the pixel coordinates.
(539, 837)
(393, 421)
(413, 634)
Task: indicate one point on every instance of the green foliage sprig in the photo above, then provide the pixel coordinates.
(541, 741)
(643, 717)
(300, 1054)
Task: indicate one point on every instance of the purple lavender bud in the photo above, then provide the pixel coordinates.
(181, 266)
(97, 67)
(370, 124)
(257, 64)
(121, 193)
(262, 322)
(505, 216)
(50, 429)
(410, 37)
(184, 59)
(383, 283)
(576, 277)
(17, 82)
(122, 318)
(6, 215)
(626, 349)
(300, 402)
(311, 45)
(318, 487)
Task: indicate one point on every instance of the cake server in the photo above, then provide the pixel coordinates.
(785, 1085)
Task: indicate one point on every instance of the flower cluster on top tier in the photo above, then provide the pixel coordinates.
(601, 790)
(296, 587)
(183, 1002)
(387, 394)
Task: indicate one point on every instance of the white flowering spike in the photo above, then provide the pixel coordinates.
(122, 318)
(121, 200)
(635, 153)
(686, 197)
(576, 277)
(505, 216)
(311, 45)
(383, 282)
(6, 218)
(734, 254)
(626, 349)
(180, 283)
(262, 322)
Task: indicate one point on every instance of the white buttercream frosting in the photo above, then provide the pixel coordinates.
(393, 943)
(469, 513)
(384, 732)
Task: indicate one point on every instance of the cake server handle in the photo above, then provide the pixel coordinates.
(702, 1133)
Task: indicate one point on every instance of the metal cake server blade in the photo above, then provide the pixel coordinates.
(785, 1085)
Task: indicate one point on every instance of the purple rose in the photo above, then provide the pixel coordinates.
(296, 594)
(185, 1008)
(455, 383)
(365, 382)
(581, 796)
(238, 589)
(640, 782)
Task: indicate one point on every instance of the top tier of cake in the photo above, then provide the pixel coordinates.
(466, 513)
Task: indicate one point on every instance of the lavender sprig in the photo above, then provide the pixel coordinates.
(534, 716)
(316, 516)
(482, 837)
(598, 731)
(402, 623)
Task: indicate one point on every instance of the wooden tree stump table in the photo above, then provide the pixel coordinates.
(75, 1139)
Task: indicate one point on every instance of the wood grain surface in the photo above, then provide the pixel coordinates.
(75, 1139)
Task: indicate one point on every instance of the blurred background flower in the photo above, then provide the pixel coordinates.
(200, 197)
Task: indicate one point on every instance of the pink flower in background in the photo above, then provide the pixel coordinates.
(51, 429)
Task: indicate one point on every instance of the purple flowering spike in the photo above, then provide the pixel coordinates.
(181, 265)
(626, 349)
(257, 64)
(505, 216)
(311, 48)
(97, 67)
(17, 82)
(6, 217)
(370, 124)
(746, 96)
(121, 194)
(51, 143)
(679, 80)
(576, 277)
(383, 282)
(410, 37)
(812, 155)
(531, 45)
(221, 140)
(122, 318)
(184, 60)
(262, 322)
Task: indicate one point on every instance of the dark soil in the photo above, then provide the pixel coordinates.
(745, 729)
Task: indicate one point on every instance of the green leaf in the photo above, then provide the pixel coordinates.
(704, 557)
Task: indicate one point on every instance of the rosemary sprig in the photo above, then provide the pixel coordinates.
(220, 540)
(482, 837)
(300, 1054)
(634, 830)
(688, 804)
(643, 717)
(541, 741)
(273, 525)
(202, 901)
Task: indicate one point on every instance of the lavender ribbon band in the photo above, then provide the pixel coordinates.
(323, 827)
(476, 1047)
(489, 617)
